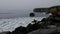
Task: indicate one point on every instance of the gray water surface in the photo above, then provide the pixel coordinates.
(15, 14)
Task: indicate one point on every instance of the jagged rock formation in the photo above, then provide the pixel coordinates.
(53, 9)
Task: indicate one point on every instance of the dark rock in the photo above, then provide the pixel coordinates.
(32, 27)
(20, 30)
(42, 31)
(32, 14)
(34, 21)
(9, 32)
(55, 32)
(43, 20)
(6, 32)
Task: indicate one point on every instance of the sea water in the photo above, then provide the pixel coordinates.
(8, 22)
(12, 23)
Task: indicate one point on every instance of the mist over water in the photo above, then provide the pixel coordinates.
(22, 8)
(17, 14)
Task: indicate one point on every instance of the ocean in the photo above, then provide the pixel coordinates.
(12, 23)
(8, 21)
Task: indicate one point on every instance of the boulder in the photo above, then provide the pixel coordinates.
(32, 14)
(20, 30)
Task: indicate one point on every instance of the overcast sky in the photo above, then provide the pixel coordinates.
(23, 7)
(26, 4)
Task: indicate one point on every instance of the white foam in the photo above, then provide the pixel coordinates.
(11, 24)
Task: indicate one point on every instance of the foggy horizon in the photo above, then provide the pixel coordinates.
(26, 4)
(13, 8)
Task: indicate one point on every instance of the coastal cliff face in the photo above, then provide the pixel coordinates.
(40, 9)
(53, 9)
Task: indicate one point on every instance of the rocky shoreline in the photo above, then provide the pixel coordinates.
(49, 25)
